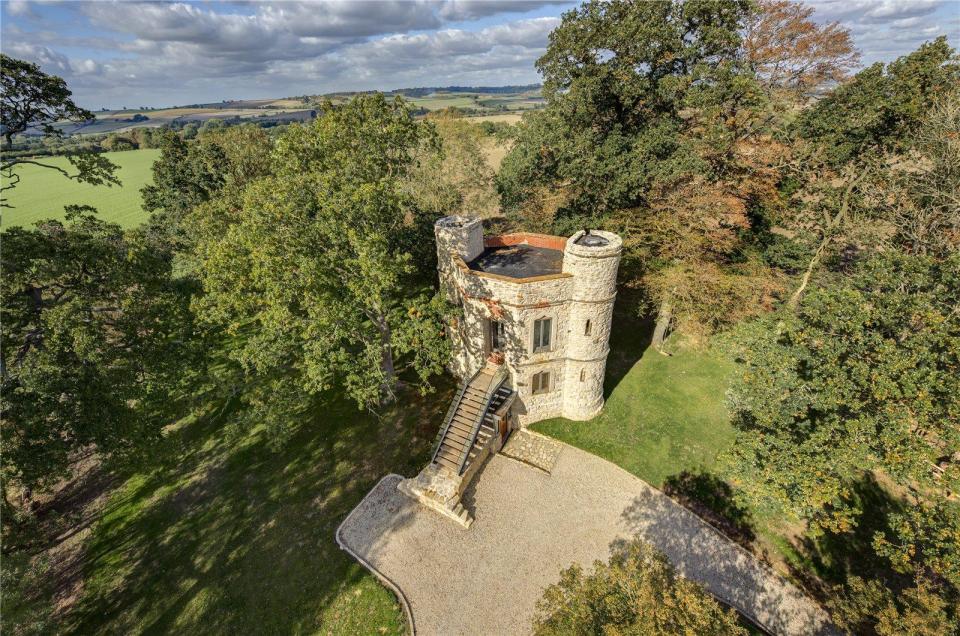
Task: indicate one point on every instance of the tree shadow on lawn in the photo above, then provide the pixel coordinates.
(234, 537)
(711, 499)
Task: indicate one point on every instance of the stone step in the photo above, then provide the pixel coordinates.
(443, 461)
(462, 425)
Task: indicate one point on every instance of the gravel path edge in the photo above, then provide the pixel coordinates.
(377, 573)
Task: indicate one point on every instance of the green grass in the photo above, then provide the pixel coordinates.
(229, 536)
(663, 415)
(42, 193)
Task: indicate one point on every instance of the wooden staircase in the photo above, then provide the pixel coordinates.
(467, 427)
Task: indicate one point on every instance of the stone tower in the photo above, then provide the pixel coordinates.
(593, 260)
(542, 304)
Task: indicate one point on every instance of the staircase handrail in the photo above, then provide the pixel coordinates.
(448, 418)
(499, 376)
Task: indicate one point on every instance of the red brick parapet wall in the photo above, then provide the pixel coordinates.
(520, 238)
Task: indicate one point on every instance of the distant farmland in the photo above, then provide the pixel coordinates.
(42, 193)
(296, 109)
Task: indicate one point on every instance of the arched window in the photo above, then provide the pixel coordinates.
(586, 328)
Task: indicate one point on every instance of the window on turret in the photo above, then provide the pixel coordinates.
(542, 334)
(586, 329)
(583, 374)
(541, 382)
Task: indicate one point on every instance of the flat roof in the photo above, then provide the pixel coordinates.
(518, 261)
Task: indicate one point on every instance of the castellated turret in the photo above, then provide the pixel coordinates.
(541, 304)
(592, 259)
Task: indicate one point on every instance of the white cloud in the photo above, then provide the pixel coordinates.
(20, 8)
(886, 29)
(175, 52)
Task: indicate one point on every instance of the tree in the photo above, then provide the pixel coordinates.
(923, 192)
(219, 163)
(638, 592)
(31, 99)
(656, 127)
(793, 55)
(843, 142)
(882, 106)
(456, 180)
(864, 379)
(315, 265)
(689, 248)
(94, 336)
(117, 142)
(864, 607)
(617, 80)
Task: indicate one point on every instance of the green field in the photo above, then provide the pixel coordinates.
(42, 193)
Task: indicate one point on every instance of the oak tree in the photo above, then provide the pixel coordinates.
(314, 268)
(96, 334)
(862, 380)
(637, 592)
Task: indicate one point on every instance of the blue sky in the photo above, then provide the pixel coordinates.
(164, 53)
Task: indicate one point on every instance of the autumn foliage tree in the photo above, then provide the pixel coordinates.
(792, 54)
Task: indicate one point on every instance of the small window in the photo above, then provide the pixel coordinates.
(541, 382)
(541, 334)
(582, 374)
(586, 329)
(497, 338)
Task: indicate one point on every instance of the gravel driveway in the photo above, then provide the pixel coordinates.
(529, 525)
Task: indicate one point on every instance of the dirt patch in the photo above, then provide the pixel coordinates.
(63, 521)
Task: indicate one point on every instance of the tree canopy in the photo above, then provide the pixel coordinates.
(94, 337)
(863, 380)
(637, 593)
(618, 77)
(883, 105)
(315, 267)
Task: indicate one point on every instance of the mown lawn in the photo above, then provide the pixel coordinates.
(42, 193)
(229, 536)
(663, 415)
